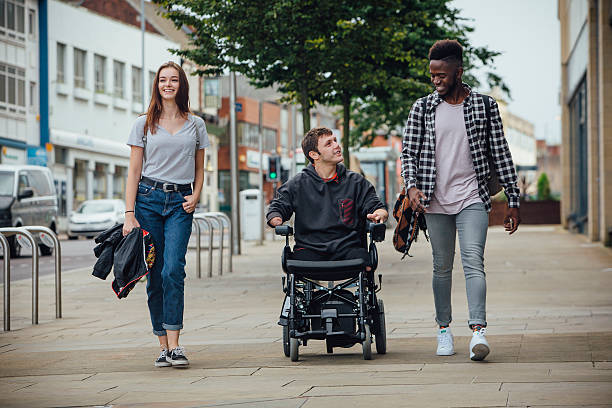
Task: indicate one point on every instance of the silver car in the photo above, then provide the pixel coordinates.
(95, 216)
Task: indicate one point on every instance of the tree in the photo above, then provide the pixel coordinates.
(423, 23)
(367, 56)
(543, 187)
(269, 41)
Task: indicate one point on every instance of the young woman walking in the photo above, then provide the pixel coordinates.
(164, 183)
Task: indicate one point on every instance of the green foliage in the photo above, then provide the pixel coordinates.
(424, 22)
(543, 187)
(368, 56)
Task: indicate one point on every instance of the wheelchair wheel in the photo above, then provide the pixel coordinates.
(286, 341)
(294, 352)
(381, 335)
(366, 346)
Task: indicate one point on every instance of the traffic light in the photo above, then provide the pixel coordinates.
(274, 168)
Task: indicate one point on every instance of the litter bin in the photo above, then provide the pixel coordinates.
(250, 215)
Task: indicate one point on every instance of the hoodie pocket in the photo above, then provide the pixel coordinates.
(347, 211)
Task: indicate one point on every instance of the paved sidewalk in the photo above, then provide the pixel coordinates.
(550, 329)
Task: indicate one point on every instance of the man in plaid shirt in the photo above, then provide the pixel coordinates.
(446, 168)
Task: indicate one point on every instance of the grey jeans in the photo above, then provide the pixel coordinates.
(471, 224)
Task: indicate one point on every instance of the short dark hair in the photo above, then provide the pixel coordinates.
(447, 50)
(310, 142)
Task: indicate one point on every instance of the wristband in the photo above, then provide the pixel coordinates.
(128, 211)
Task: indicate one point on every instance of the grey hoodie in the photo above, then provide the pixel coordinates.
(330, 216)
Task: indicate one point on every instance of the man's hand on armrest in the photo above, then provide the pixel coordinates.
(275, 222)
(379, 215)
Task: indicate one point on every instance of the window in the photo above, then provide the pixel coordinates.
(248, 134)
(61, 63)
(119, 74)
(22, 182)
(33, 95)
(269, 141)
(79, 68)
(12, 89)
(211, 93)
(151, 80)
(136, 84)
(32, 22)
(12, 19)
(40, 183)
(100, 73)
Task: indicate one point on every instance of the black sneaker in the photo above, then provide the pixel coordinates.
(177, 357)
(162, 360)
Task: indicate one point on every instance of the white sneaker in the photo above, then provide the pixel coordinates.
(445, 342)
(479, 347)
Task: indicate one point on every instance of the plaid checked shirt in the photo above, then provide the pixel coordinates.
(419, 147)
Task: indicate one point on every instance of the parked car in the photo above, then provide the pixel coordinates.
(95, 216)
(27, 197)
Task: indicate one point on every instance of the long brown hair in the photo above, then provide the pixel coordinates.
(155, 106)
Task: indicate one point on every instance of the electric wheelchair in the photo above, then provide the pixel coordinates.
(344, 313)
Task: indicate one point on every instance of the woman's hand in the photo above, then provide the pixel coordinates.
(130, 223)
(190, 203)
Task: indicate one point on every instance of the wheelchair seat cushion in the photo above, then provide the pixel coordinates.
(326, 270)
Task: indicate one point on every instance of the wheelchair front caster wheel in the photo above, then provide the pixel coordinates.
(366, 346)
(286, 341)
(294, 352)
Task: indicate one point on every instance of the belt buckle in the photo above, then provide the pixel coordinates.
(168, 187)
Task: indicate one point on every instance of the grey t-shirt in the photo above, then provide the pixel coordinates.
(170, 158)
(456, 183)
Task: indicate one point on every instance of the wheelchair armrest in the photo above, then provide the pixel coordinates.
(284, 230)
(377, 231)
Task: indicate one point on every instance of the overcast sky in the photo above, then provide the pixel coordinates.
(527, 33)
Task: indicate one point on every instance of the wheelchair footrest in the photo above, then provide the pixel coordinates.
(320, 333)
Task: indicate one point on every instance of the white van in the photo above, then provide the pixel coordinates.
(27, 197)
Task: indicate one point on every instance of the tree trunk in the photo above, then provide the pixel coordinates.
(346, 105)
(304, 101)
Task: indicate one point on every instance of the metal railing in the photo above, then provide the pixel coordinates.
(220, 220)
(58, 265)
(228, 223)
(27, 232)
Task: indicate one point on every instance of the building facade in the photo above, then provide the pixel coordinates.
(282, 133)
(586, 95)
(95, 94)
(19, 83)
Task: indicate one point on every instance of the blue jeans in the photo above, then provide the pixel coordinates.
(471, 224)
(162, 214)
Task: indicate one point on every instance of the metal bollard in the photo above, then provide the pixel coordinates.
(6, 250)
(211, 231)
(8, 231)
(58, 266)
(198, 248)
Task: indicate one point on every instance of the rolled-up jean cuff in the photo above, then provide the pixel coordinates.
(159, 332)
(172, 326)
(477, 321)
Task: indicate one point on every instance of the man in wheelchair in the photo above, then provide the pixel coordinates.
(334, 209)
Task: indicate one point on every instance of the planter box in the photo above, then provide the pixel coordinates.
(532, 212)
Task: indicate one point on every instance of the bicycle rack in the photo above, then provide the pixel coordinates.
(58, 265)
(194, 222)
(6, 250)
(211, 232)
(228, 221)
(9, 231)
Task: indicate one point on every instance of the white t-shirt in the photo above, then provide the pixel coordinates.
(456, 183)
(170, 158)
